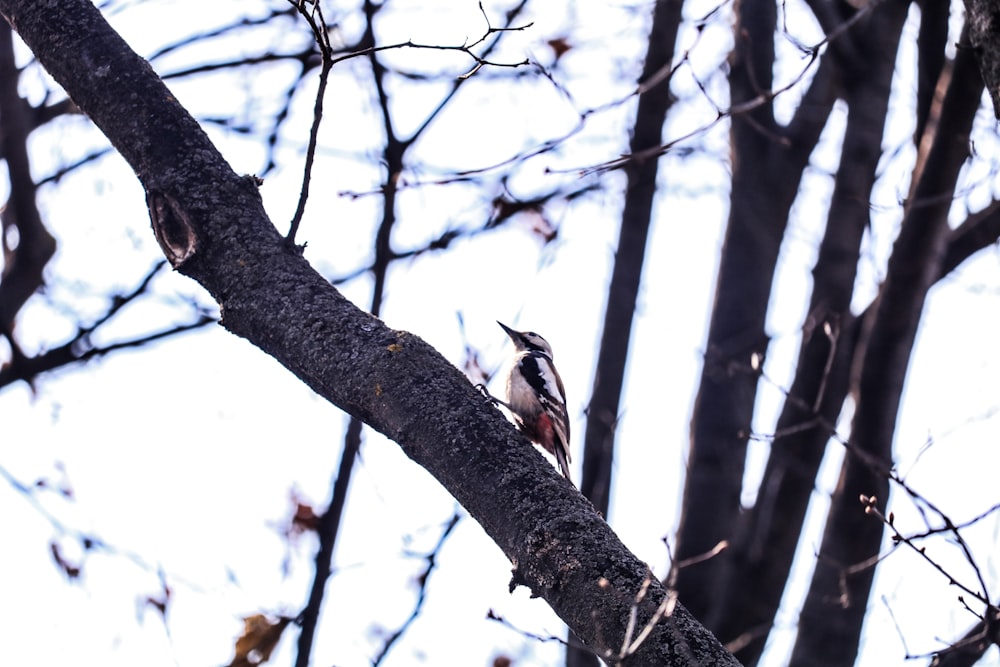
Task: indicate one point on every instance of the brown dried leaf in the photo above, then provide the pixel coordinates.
(305, 519)
(542, 227)
(559, 46)
(260, 636)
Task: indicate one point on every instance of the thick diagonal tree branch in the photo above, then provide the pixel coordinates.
(212, 224)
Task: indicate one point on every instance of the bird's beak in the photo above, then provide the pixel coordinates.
(514, 335)
(510, 332)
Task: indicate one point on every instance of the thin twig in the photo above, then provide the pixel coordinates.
(632, 642)
(741, 108)
(493, 616)
(424, 577)
(314, 18)
(317, 24)
(870, 504)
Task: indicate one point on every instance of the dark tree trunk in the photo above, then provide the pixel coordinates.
(23, 265)
(767, 168)
(835, 607)
(609, 375)
(762, 554)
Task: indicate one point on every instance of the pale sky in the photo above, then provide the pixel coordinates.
(182, 456)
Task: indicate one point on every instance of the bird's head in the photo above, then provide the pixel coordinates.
(528, 341)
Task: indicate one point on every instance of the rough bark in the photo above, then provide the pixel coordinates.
(983, 38)
(211, 223)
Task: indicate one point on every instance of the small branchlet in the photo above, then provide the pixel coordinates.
(871, 508)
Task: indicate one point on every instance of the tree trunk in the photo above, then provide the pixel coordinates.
(762, 555)
(609, 375)
(767, 168)
(845, 569)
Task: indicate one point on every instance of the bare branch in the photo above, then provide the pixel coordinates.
(314, 18)
(898, 537)
(422, 579)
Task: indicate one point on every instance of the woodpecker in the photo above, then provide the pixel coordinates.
(535, 396)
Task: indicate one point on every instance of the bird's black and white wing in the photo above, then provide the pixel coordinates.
(541, 374)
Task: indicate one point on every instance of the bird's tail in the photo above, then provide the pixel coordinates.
(563, 461)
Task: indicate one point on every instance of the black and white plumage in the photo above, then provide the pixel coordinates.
(535, 396)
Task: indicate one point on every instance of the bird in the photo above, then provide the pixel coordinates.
(535, 396)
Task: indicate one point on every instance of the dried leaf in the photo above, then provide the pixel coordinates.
(305, 519)
(559, 46)
(260, 636)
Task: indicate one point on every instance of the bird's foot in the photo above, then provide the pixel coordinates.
(486, 393)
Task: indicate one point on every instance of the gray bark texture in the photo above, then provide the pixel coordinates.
(983, 21)
(211, 224)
